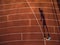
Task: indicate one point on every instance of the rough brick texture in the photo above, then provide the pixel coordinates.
(20, 22)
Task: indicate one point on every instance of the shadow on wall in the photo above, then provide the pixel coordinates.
(58, 2)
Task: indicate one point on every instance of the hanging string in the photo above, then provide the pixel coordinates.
(44, 25)
(56, 18)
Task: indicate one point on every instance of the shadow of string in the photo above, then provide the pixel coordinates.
(45, 28)
(58, 3)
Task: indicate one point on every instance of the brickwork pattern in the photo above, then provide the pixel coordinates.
(20, 22)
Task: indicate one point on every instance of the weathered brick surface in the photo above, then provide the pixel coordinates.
(21, 25)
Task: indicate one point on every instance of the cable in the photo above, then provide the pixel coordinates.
(36, 18)
(44, 25)
(56, 15)
(57, 20)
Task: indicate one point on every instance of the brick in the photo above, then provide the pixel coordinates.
(11, 11)
(13, 43)
(32, 0)
(37, 14)
(1, 7)
(14, 30)
(39, 1)
(14, 11)
(42, 4)
(18, 17)
(13, 6)
(4, 7)
(3, 25)
(20, 29)
(32, 37)
(31, 16)
(33, 43)
(52, 43)
(24, 27)
(10, 37)
(45, 0)
(19, 23)
(36, 22)
(55, 36)
(24, 43)
(50, 23)
(14, 23)
(47, 10)
(24, 10)
(3, 18)
(2, 13)
(10, 1)
(5, 1)
(48, 5)
(34, 5)
(51, 29)
(58, 16)
(7, 12)
(57, 29)
(3, 31)
(49, 16)
(34, 29)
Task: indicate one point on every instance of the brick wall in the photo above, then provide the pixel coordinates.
(20, 22)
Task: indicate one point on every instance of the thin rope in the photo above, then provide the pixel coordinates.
(56, 18)
(35, 17)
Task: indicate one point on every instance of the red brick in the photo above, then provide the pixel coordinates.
(38, 16)
(13, 6)
(39, 0)
(58, 17)
(52, 43)
(24, 43)
(36, 22)
(11, 1)
(10, 37)
(34, 5)
(3, 31)
(24, 10)
(4, 7)
(3, 25)
(50, 23)
(32, 37)
(51, 29)
(55, 36)
(19, 23)
(20, 29)
(3, 18)
(1, 13)
(49, 16)
(27, 29)
(57, 29)
(31, 16)
(22, 16)
(13, 43)
(18, 17)
(33, 43)
(14, 11)
(14, 23)
(47, 10)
